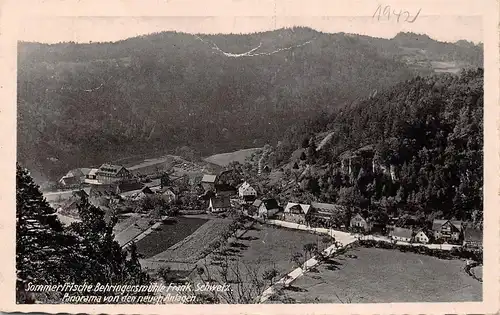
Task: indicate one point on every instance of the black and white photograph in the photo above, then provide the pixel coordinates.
(247, 160)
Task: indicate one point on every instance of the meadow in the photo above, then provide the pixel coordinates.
(373, 275)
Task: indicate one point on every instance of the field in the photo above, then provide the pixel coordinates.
(223, 159)
(444, 66)
(375, 275)
(189, 249)
(167, 235)
(270, 246)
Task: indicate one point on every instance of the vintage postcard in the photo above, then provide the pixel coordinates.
(250, 156)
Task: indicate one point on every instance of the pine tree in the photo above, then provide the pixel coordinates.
(38, 232)
(101, 258)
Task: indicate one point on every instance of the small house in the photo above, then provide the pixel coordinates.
(268, 208)
(167, 194)
(296, 212)
(145, 192)
(447, 230)
(421, 237)
(108, 173)
(208, 182)
(246, 192)
(74, 177)
(473, 238)
(359, 223)
(401, 234)
(91, 177)
(219, 204)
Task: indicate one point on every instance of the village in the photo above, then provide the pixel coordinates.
(114, 186)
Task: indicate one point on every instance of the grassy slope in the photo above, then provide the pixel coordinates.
(224, 159)
(168, 235)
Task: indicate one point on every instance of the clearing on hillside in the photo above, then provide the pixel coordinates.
(223, 159)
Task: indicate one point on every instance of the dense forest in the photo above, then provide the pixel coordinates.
(84, 104)
(416, 148)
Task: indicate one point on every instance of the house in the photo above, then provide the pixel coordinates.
(421, 237)
(91, 177)
(74, 177)
(447, 230)
(102, 195)
(296, 212)
(127, 186)
(225, 190)
(401, 234)
(167, 194)
(246, 192)
(219, 204)
(208, 182)
(324, 213)
(145, 191)
(107, 174)
(267, 208)
(473, 238)
(359, 223)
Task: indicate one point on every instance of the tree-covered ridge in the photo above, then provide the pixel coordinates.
(84, 104)
(415, 148)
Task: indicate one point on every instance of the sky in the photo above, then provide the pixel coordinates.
(104, 29)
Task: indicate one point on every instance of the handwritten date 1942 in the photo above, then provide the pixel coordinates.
(386, 12)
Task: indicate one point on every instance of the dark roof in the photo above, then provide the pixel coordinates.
(224, 187)
(147, 190)
(221, 202)
(271, 203)
(457, 224)
(249, 197)
(473, 234)
(129, 186)
(401, 232)
(109, 169)
(437, 224)
(102, 190)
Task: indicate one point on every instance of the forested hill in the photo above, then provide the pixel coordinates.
(415, 148)
(81, 104)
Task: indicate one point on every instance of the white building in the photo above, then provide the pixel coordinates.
(246, 191)
(420, 237)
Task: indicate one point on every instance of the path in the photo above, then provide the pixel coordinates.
(340, 234)
(343, 238)
(387, 240)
